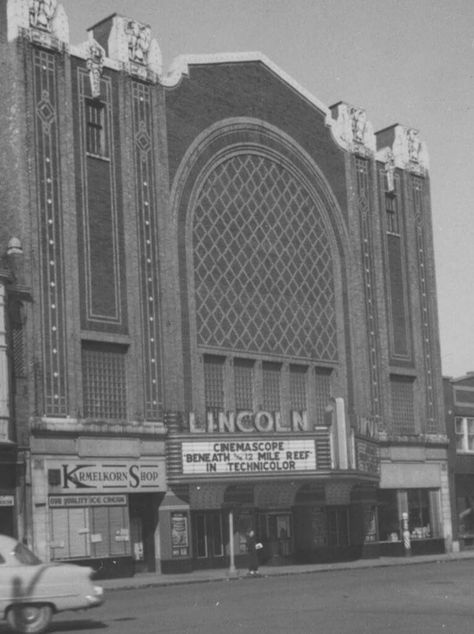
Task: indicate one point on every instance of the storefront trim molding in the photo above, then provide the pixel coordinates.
(254, 478)
(77, 426)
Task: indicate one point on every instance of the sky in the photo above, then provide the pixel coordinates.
(403, 61)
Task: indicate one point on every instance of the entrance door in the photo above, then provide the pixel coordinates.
(143, 523)
(280, 534)
(208, 537)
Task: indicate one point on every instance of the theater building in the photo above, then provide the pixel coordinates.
(230, 317)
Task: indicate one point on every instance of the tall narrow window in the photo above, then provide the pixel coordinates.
(298, 401)
(391, 212)
(104, 380)
(243, 384)
(96, 138)
(271, 373)
(403, 408)
(214, 382)
(322, 388)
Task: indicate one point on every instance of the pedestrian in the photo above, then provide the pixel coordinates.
(252, 548)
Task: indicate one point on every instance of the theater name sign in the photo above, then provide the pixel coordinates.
(246, 421)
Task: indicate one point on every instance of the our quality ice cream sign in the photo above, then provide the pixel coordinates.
(102, 476)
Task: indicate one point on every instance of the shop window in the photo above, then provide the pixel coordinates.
(243, 384)
(322, 388)
(96, 139)
(338, 525)
(214, 382)
(388, 515)
(419, 513)
(464, 430)
(104, 380)
(403, 408)
(271, 374)
(298, 400)
(95, 532)
(465, 510)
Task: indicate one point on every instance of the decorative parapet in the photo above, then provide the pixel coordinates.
(129, 43)
(42, 21)
(399, 146)
(352, 130)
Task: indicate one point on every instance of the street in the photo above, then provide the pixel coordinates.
(420, 598)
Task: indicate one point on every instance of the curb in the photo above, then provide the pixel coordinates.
(111, 585)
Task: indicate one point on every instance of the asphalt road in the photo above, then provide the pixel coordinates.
(415, 599)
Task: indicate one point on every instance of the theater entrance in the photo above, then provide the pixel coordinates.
(276, 531)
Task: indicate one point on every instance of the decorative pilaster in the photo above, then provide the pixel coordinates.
(50, 233)
(147, 213)
(368, 271)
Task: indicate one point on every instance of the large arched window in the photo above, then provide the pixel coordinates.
(263, 269)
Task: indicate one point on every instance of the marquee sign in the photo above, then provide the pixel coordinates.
(248, 457)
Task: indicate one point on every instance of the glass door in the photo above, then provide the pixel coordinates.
(279, 534)
(208, 535)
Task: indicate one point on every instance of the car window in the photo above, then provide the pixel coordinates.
(25, 556)
(2, 560)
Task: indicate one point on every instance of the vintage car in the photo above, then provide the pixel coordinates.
(32, 591)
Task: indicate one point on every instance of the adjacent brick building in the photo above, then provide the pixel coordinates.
(459, 403)
(223, 309)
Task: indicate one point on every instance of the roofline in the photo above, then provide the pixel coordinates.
(180, 66)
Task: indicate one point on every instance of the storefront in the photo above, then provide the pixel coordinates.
(411, 513)
(11, 498)
(104, 513)
(307, 495)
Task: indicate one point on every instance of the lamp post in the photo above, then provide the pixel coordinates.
(232, 569)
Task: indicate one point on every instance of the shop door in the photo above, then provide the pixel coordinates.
(280, 534)
(6, 521)
(143, 523)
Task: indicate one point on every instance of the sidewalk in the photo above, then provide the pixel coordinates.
(151, 579)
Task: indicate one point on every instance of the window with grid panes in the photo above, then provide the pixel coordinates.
(464, 429)
(95, 128)
(391, 213)
(104, 380)
(403, 407)
(214, 381)
(298, 401)
(271, 376)
(322, 389)
(243, 384)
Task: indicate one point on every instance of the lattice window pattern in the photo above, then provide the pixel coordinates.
(403, 409)
(214, 382)
(262, 263)
(243, 383)
(271, 374)
(104, 381)
(298, 400)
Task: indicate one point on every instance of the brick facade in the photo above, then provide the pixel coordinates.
(207, 258)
